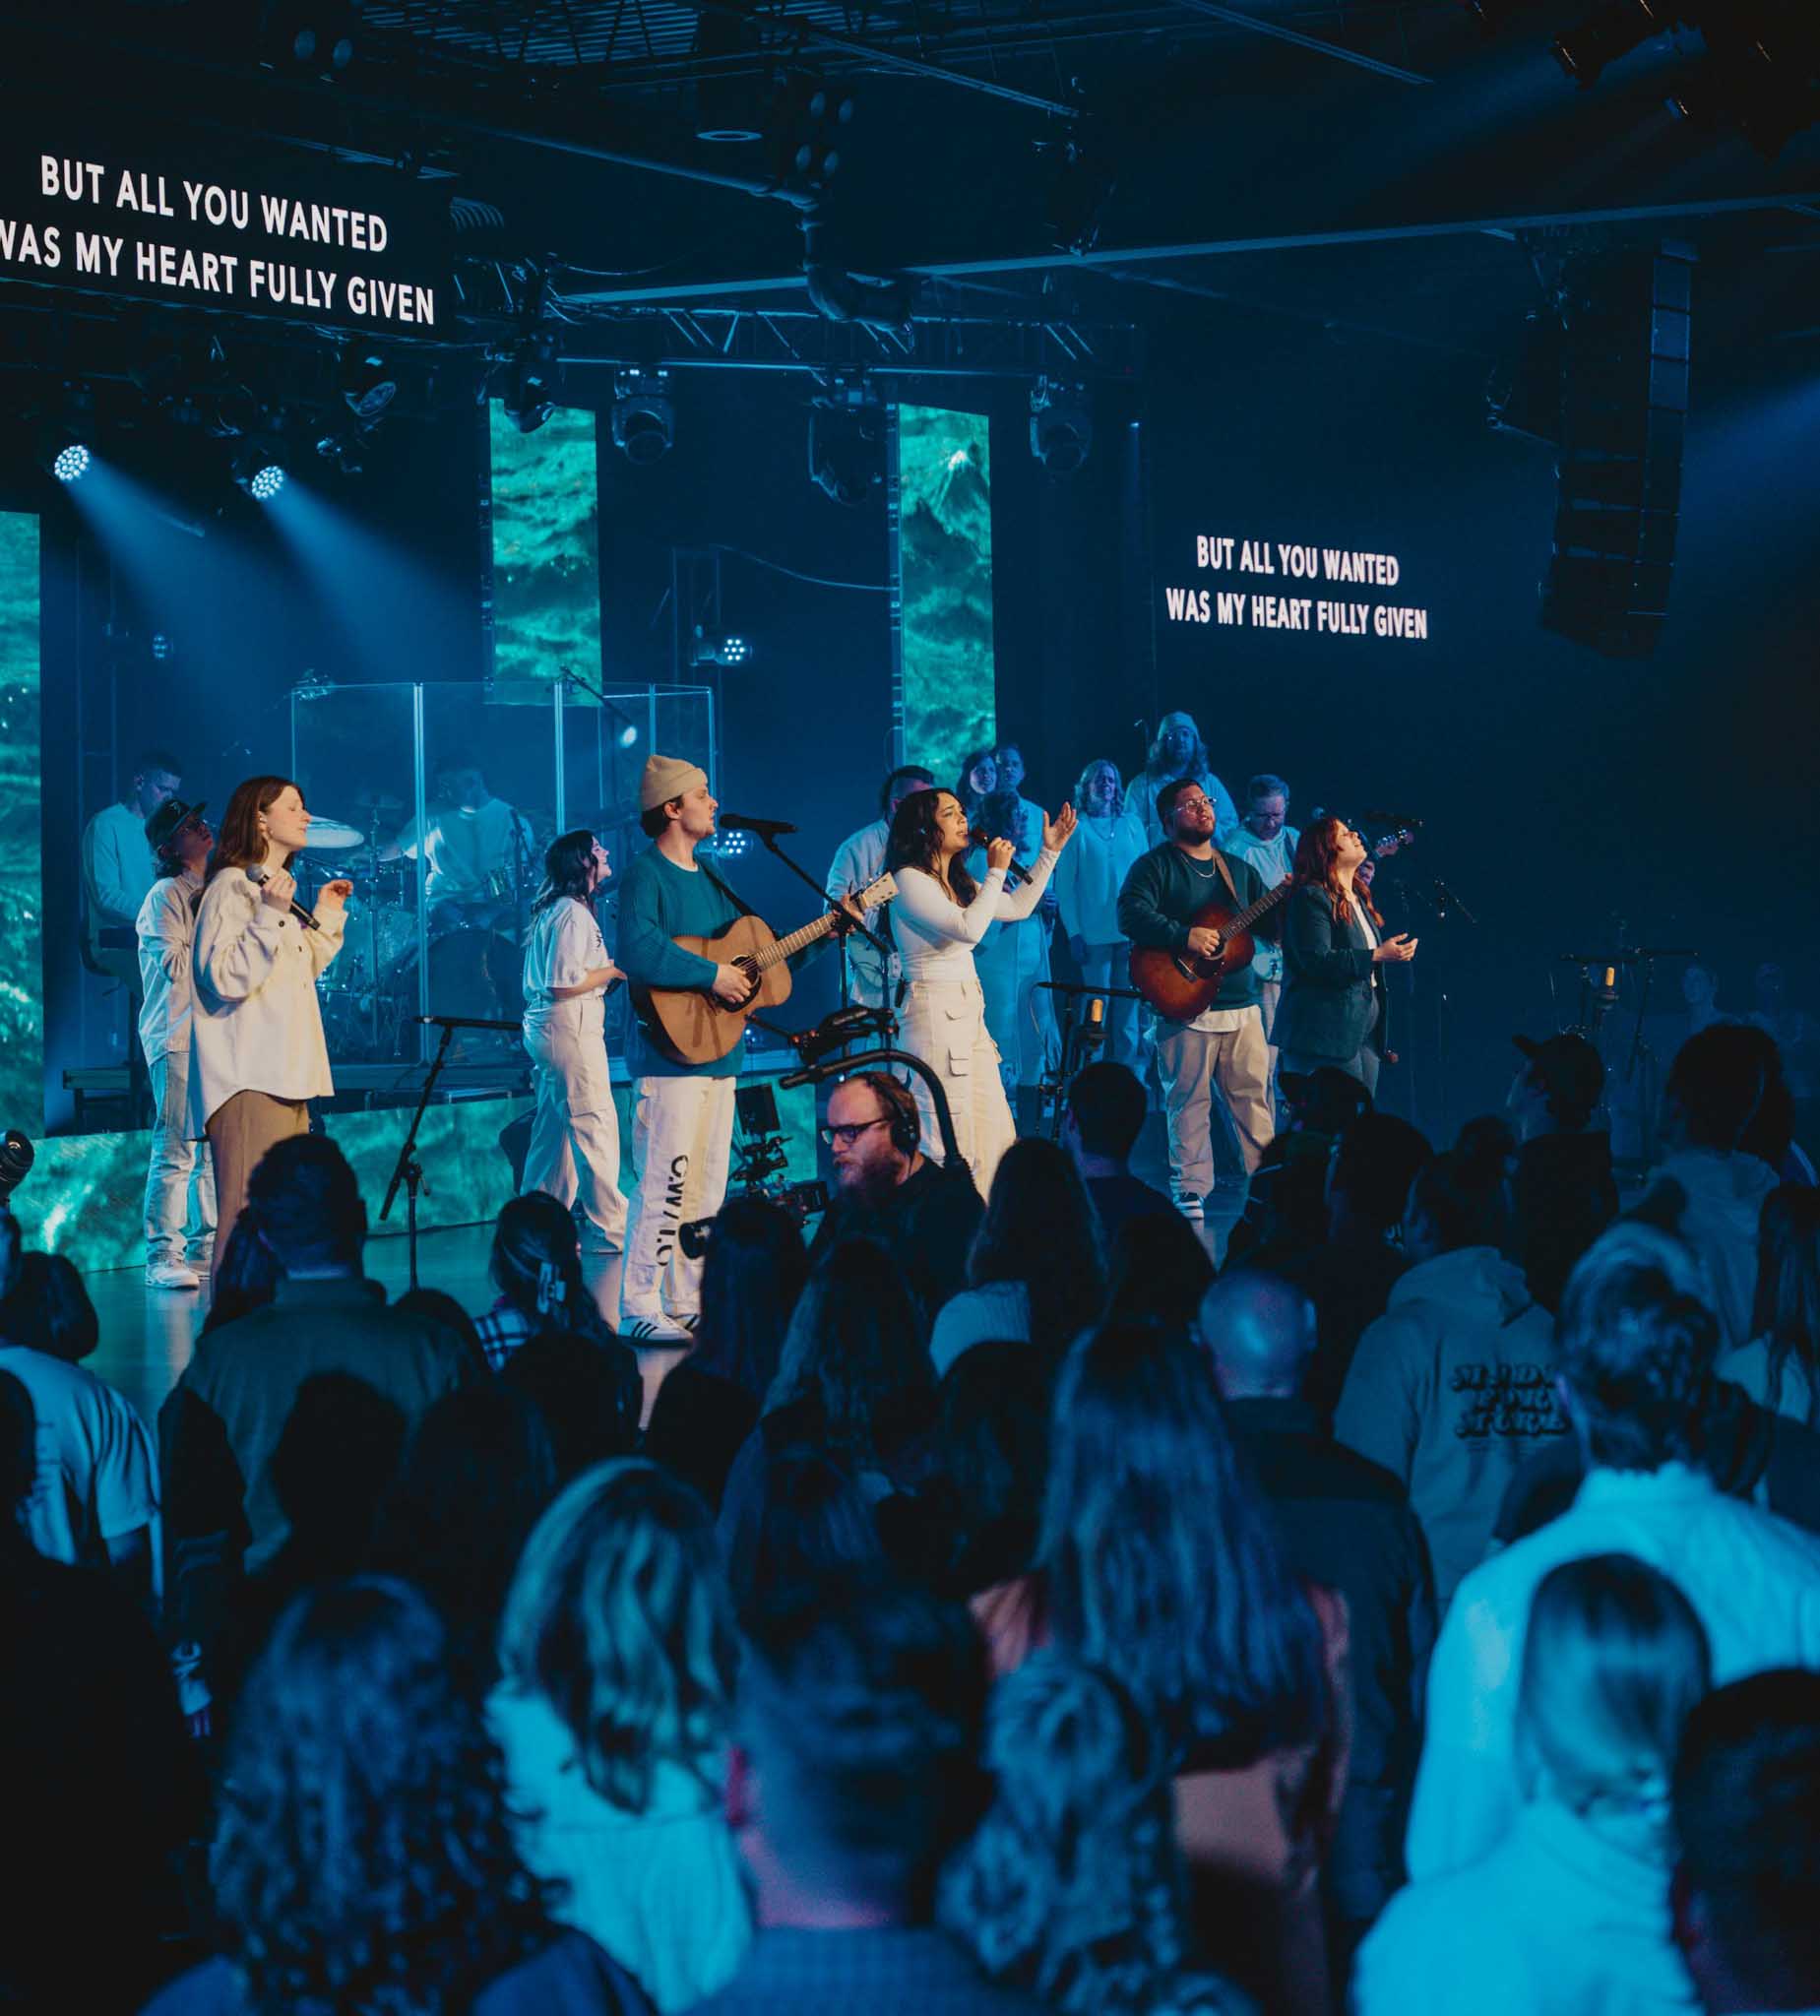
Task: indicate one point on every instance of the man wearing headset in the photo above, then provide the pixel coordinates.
(924, 1213)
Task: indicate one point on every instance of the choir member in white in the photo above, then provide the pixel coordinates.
(937, 918)
(1087, 879)
(575, 1137)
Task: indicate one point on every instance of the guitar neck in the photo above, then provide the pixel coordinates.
(1252, 912)
(787, 948)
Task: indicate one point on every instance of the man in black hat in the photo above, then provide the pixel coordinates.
(180, 1179)
(1564, 1191)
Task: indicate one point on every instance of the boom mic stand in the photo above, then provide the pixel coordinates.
(825, 1068)
(407, 1169)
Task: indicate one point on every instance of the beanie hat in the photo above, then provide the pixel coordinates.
(667, 778)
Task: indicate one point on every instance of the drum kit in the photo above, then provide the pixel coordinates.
(373, 993)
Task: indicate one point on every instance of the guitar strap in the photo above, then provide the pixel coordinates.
(738, 901)
(1225, 875)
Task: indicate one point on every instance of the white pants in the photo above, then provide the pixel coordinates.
(1109, 965)
(682, 1139)
(180, 1177)
(574, 1135)
(1202, 1072)
(944, 1023)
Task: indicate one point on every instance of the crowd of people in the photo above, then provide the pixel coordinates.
(992, 1607)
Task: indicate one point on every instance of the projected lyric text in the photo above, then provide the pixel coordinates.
(1347, 585)
(114, 226)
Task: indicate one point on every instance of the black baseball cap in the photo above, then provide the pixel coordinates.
(163, 826)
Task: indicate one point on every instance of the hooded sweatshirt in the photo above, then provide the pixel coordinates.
(1724, 1195)
(1452, 1390)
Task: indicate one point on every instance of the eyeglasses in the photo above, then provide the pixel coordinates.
(844, 1137)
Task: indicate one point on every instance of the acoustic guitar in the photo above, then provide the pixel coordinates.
(1180, 985)
(693, 1025)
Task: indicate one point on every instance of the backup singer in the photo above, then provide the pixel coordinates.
(1222, 1050)
(179, 1177)
(257, 1055)
(858, 861)
(1334, 1008)
(937, 918)
(1087, 879)
(575, 1137)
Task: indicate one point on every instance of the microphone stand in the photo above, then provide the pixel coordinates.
(802, 874)
(407, 1169)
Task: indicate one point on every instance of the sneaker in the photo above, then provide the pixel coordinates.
(649, 1330)
(171, 1274)
(691, 1322)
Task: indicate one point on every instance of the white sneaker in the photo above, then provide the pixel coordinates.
(171, 1274)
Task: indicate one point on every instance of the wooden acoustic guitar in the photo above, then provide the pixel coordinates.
(1180, 985)
(693, 1025)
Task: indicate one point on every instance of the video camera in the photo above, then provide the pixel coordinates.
(762, 1158)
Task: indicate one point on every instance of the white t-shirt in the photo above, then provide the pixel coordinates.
(463, 848)
(96, 1477)
(1273, 859)
(166, 930)
(257, 1024)
(859, 861)
(564, 947)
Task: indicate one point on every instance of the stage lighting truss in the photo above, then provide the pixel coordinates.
(1061, 425)
(644, 418)
(847, 438)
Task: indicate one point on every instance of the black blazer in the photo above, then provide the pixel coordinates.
(1329, 983)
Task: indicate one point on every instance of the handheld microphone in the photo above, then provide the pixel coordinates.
(766, 829)
(307, 918)
(1013, 873)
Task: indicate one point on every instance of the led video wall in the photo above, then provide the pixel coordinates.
(21, 980)
(945, 492)
(547, 547)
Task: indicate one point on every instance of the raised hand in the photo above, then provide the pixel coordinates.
(1058, 832)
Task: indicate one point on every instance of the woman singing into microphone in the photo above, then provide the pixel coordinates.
(939, 914)
(1333, 1009)
(257, 1055)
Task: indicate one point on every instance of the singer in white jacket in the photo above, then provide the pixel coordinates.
(937, 918)
(575, 1137)
(257, 1054)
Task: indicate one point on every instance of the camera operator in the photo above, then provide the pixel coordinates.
(924, 1213)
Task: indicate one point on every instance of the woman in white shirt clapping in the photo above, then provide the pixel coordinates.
(257, 1055)
(938, 917)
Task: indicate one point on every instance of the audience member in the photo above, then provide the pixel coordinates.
(580, 1392)
(924, 1213)
(1451, 1387)
(221, 1422)
(1160, 1269)
(1779, 1369)
(1564, 1194)
(855, 1385)
(815, 1519)
(1347, 1526)
(363, 1858)
(709, 1403)
(1570, 1910)
(996, 1400)
(1636, 1356)
(93, 1502)
(1727, 1121)
(1100, 1124)
(616, 1658)
(48, 1309)
(854, 1775)
(1159, 1561)
(1073, 1887)
(1286, 1208)
(1350, 1273)
(246, 1275)
(536, 1267)
(102, 1786)
(1035, 1269)
(436, 1306)
(478, 1473)
(1746, 1885)
(1794, 1031)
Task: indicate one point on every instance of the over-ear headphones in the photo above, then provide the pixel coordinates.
(899, 1109)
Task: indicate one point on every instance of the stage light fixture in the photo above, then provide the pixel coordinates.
(530, 391)
(644, 420)
(258, 470)
(730, 652)
(70, 465)
(368, 383)
(628, 735)
(1612, 29)
(1061, 425)
(847, 438)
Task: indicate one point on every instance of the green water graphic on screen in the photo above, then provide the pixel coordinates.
(945, 488)
(21, 862)
(547, 547)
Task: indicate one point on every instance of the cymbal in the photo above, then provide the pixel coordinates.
(378, 801)
(332, 835)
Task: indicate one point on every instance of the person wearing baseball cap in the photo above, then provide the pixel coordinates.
(682, 1114)
(1564, 1193)
(180, 1177)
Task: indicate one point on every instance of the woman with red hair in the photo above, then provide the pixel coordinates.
(1334, 1008)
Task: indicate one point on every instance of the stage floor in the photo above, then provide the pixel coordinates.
(148, 1334)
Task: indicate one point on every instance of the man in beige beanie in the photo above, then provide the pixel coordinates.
(682, 1114)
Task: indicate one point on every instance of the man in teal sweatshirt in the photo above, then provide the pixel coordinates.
(682, 1114)
(1223, 1048)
